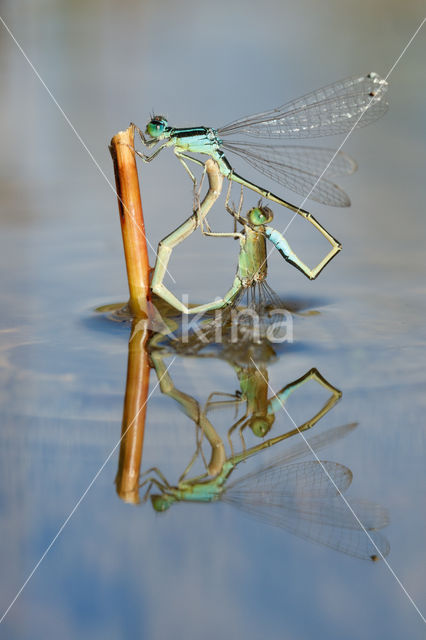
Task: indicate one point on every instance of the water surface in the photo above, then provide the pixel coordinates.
(120, 570)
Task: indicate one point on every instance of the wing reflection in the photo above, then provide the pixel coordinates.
(304, 497)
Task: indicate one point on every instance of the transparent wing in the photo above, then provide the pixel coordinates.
(288, 480)
(298, 451)
(352, 541)
(312, 159)
(276, 163)
(331, 510)
(328, 111)
(317, 442)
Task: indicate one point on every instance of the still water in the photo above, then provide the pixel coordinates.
(119, 569)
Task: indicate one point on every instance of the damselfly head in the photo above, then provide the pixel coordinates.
(161, 503)
(156, 127)
(260, 425)
(260, 215)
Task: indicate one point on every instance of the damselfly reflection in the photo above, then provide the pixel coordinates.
(261, 405)
(297, 496)
(302, 497)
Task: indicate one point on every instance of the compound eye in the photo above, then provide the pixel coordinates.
(156, 127)
(160, 121)
(161, 502)
(260, 215)
(255, 216)
(267, 213)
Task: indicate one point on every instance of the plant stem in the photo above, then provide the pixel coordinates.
(134, 414)
(131, 219)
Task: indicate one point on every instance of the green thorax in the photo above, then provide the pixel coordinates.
(254, 388)
(204, 491)
(252, 266)
(196, 140)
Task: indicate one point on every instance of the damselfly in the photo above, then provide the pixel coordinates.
(250, 279)
(285, 492)
(261, 406)
(303, 498)
(334, 109)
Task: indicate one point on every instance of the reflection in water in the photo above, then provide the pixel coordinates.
(287, 492)
(134, 413)
(260, 409)
(296, 496)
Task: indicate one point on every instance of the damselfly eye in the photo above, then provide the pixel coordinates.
(156, 127)
(260, 425)
(260, 215)
(161, 503)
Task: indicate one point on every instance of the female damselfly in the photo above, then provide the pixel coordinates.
(250, 278)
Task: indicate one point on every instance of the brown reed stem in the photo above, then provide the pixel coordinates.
(134, 414)
(131, 219)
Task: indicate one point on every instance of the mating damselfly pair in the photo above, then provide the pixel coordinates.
(302, 497)
(335, 109)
